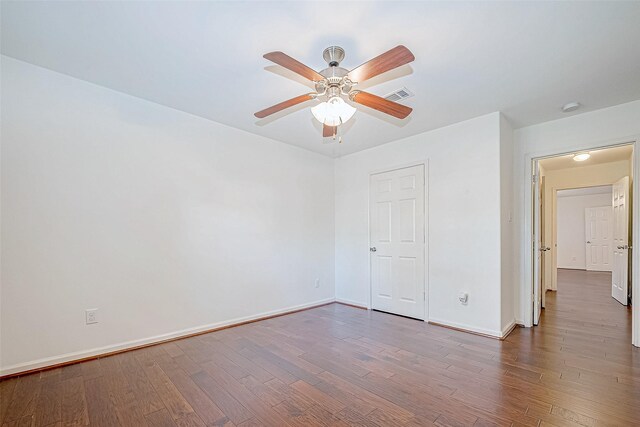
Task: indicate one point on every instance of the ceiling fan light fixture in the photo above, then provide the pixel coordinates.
(581, 157)
(571, 106)
(333, 112)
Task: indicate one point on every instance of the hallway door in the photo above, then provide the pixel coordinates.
(620, 276)
(397, 237)
(539, 245)
(598, 233)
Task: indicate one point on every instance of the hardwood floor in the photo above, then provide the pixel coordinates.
(341, 366)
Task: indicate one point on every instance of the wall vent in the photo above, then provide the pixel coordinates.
(399, 94)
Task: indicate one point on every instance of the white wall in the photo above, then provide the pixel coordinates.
(620, 123)
(571, 227)
(464, 228)
(164, 221)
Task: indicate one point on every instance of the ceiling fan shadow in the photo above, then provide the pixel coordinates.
(385, 117)
(280, 114)
(281, 71)
(402, 71)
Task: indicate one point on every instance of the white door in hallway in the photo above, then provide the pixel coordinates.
(397, 241)
(539, 246)
(599, 238)
(620, 272)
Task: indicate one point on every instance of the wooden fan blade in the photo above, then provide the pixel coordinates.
(384, 105)
(285, 104)
(389, 60)
(328, 131)
(291, 64)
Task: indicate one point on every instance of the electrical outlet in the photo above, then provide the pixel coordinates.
(91, 315)
(463, 297)
(317, 283)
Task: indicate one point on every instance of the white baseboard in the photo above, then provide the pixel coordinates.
(469, 328)
(507, 329)
(79, 355)
(351, 302)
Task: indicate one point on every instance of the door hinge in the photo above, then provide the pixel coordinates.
(534, 178)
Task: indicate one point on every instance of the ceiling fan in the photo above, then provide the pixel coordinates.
(334, 84)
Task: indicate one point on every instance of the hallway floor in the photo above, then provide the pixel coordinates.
(583, 304)
(584, 337)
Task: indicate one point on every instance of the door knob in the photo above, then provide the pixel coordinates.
(372, 249)
(588, 242)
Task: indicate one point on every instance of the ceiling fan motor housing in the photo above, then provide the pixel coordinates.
(333, 55)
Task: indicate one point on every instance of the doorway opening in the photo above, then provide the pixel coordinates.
(582, 229)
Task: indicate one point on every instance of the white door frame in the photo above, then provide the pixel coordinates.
(424, 163)
(526, 297)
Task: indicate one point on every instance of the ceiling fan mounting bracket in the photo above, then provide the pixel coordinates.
(333, 55)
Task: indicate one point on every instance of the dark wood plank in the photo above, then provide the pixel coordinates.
(263, 411)
(192, 420)
(26, 421)
(6, 395)
(233, 409)
(24, 398)
(146, 396)
(101, 410)
(160, 418)
(122, 396)
(174, 402)
(203, 406)
(74, 410)
(49, 402)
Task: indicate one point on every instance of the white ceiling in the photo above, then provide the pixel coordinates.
(606, 155)
(472, 58)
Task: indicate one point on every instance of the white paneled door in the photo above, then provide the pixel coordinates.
(599, 238)
(539, 245)
(397, 237)
(620, 273)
